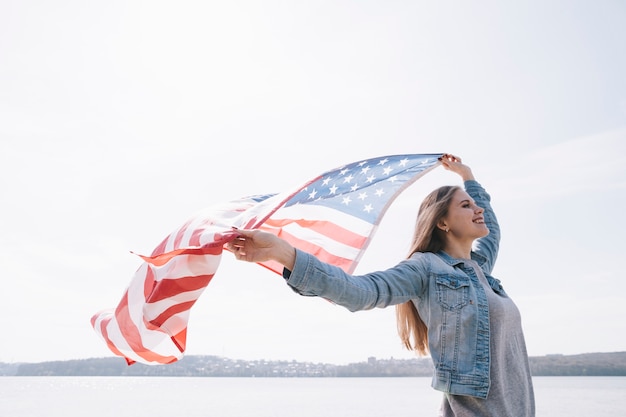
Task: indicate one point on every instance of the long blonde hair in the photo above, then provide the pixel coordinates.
(427, 237)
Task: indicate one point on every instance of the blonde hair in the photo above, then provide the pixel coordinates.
(427, 237)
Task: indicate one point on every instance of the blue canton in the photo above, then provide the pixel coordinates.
(364, 189)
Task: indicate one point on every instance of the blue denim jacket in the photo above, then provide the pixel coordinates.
(445, 290)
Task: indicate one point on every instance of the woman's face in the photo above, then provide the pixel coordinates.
(465, 219)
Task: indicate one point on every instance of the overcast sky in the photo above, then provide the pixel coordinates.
(120, 119)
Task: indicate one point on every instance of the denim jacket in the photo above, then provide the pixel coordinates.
(447, 294)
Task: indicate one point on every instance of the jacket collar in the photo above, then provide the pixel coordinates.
(478, 258)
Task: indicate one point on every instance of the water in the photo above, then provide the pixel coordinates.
(273, 397)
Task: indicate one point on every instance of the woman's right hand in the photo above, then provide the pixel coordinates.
(454, 164)
(259, 246)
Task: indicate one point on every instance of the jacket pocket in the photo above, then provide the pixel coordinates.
(452, 291)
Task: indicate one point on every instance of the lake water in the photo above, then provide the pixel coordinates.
(279, 397)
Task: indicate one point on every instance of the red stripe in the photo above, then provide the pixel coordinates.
(171, 287)
(181, 234)
(148, 282)
(105, 335)
(160, 248)
(180, 339)
(156, 323)
(160, 291)
(133, 336)
(322, 254)
(278, 267)
(326, 228)
(194, 240)
(214, 248)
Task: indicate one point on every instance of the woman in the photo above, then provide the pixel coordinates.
(447, 303)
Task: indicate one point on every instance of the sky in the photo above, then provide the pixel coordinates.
(120, 119)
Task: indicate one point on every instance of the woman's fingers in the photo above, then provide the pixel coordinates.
(448, 157)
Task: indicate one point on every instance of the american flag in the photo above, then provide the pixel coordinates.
(332, 216)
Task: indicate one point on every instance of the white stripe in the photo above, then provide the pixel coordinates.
(259, 211)
(157, 341)
(154, 340)
(116, 337)
(208, 235)
(187, 266)
(176, 323)
(329, 245)
(169, 246)
(154, 310)
(313, 213)
(195, 224)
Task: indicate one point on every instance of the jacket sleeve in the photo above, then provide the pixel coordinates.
(485, 249)
(396, 285)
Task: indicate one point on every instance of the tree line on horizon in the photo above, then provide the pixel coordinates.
(589, 364)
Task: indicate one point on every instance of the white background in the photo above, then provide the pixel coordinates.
(120, 119)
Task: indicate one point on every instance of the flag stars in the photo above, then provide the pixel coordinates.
(360, 188)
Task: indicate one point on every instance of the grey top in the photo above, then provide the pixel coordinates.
(511, 390)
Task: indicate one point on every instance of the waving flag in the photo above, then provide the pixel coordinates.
(333, 216)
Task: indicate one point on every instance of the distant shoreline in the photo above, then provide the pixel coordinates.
(587, 364)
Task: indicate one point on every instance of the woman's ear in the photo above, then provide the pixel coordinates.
(441, 224)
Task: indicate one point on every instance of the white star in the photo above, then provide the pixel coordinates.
(333, 189)
(404, 162)
(346, 200)
(383, 161)
(363, 195)
(371, 178)
(343, 171)
(368, 208)
(348, 178)
(362, 163)
(312, 194)
(326, 181)
(354, 187)
(364, 170)
(380, 192)
(387, 170)
(394, 178)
